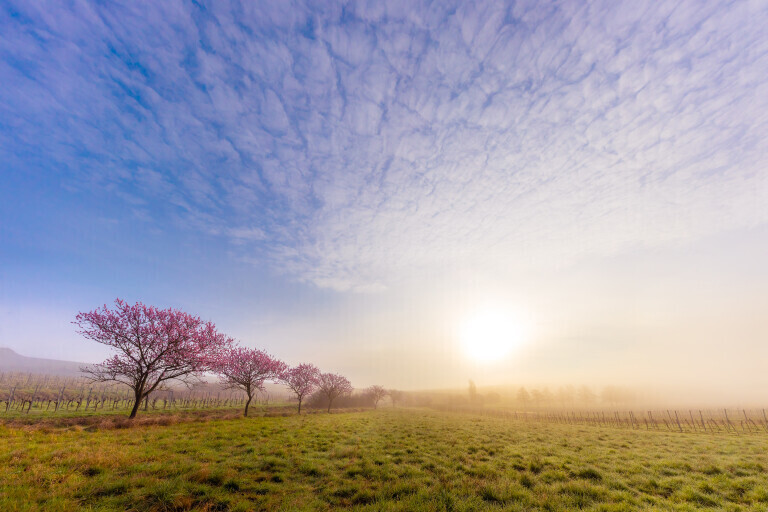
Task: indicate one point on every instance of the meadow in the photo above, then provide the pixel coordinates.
(388, 459)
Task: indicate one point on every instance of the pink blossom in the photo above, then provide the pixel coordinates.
(302, 380)
(248, 369)
(153, 345)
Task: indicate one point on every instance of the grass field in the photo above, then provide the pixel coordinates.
(402, 459)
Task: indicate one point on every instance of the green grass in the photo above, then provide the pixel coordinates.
(378, 460)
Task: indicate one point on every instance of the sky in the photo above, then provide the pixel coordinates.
(350, 183)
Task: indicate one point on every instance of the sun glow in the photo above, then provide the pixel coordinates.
(491, 334)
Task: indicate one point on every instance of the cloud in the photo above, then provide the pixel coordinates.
(366, 142)
(246, 233)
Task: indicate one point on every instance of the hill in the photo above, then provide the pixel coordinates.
(11, 361)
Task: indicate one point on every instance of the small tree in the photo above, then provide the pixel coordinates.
(586, 396)
(537, 397)
(302, 380)
(523, 397)
(332, 386)
(472, 392)
(396, 396)
(376, 393)
(153, 346)
(247, 369)
(565, 396)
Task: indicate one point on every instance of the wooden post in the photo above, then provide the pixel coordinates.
(729, 421)
(746, 420)
(678, 422)
(703, 425)
(10, 398)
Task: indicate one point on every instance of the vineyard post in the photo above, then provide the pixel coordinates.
(58, 400)
(750, 420)
(31, 398)
(729, 421)
(10, 398)
(746, 420)
(678, 422)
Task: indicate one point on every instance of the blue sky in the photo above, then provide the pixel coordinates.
(318, 178)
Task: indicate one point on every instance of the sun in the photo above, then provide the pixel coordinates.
(491, 334)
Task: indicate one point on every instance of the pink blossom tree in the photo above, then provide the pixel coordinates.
(302, 380)
(376, 393)
(332, 386)
(153, 346)
(248, 369)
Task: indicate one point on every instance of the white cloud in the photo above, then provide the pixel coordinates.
(359, 150)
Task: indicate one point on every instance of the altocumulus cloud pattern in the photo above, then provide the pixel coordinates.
(350, 144)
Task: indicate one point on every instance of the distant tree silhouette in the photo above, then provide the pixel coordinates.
(523, 397)
(472, 392)
(396, 396)
(536, 396)
(376, 393)
(565, 396)
(586, 396)
(332, 386)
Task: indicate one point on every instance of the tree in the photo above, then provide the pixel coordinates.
(546, 397)
(492, 397)
(302, 380)
(396, 396)
(376, 393)
(565, 395)
(586, 396)
(523, 397)
(153, 346)
(537, 397)
(333, 386)
(615, 396)
(472, 392)
(248, 369)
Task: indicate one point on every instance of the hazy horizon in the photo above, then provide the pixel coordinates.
(411, 194)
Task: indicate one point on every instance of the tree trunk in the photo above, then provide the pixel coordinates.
(245, 414)
(136, 404)
(299, 406)
(329, 405)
